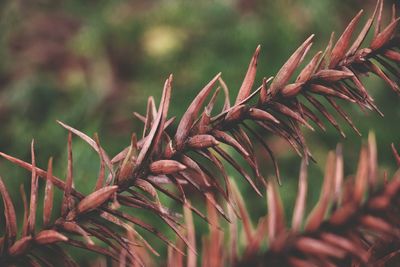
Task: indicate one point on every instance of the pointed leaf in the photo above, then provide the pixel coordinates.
(191, 113)
(248, 81)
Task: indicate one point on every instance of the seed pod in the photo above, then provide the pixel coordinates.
(262, 115)
(202, 141)
(20, 246)
(49, 237)
(166, 167)
(292, 89)
(95, 199)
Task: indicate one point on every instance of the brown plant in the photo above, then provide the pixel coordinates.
(354, 223)
(134, 177)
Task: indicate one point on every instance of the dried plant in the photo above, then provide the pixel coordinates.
(103, 222)
(354, 223)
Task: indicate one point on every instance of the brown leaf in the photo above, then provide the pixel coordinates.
(34, 193)
(48, 194)
(72, 227)
(392, 55)
(313, 246)
(191, 113)
(191, 235)
(227, 103)
(239, 168)
(67, 199)
(318, 214)
(291, 89)
(372, 160)
(204, 123)
(333, 75)
(338, 179)
(276, 214)
(151, 113)
(309, 114)
(269, 151)
(9, 214)
(323, 90)
(383, 37)
(264, 92)
(26, 210)
(309, 70)
(90, 142)
(243, 211)
(378, 24)
(20, 246)
(248, 81)
(158, 126)
(375, 69)
(300, 206)
(236, 113)
(396, 154)
(342, 44)
(100, 178)
(345, 244)
(343, 114)
(292, 114)
(361, 179)
(324, 112)
(289, 67)
(193, 165)
(46, 237)
(129, 162)
(262, 115)
(361, 37)
(229, 140)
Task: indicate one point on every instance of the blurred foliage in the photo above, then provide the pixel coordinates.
(92, 63)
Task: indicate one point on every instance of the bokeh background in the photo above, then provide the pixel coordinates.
(92, 63)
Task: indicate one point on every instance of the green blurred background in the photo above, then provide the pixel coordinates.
(92, 63)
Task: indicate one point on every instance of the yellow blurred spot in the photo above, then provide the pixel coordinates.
(161, 41)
